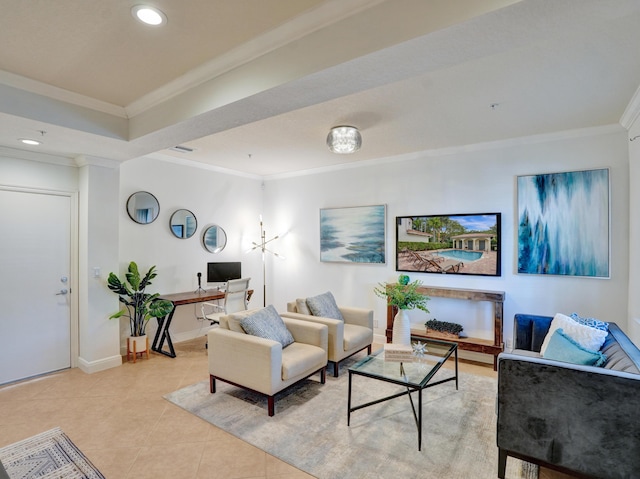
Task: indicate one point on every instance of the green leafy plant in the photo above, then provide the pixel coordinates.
(140, 306)
(403, 296)
(443, 326)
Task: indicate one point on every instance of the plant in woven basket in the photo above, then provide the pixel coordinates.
(444, 327)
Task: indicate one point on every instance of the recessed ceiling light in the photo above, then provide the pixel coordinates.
(148, 15)
(29, 141)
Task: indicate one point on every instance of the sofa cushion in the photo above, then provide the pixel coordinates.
(356, 336)
(591, 322)
(324, 305)
(267, 323)
(301, 358)
(589, 338)
(301, 306)
(562, 348)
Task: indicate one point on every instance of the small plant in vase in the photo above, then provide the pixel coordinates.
(140, 306)
(404, 296)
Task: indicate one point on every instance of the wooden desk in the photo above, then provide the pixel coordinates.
(487, 346)
(178, 299)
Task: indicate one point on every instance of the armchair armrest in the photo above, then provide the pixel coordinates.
(254, 362)
(306, 332)
(357, 316)
(335, 329)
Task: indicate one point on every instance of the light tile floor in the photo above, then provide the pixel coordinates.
(120, 420)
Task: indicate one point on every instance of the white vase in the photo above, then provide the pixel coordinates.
(401, 328)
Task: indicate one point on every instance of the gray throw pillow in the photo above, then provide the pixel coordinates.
(267, 323)
(324, 305)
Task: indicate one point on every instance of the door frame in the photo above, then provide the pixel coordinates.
(74, 333)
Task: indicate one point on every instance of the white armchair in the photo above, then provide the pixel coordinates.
(347, 337)
(263, 365)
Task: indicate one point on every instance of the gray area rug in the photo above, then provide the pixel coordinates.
(309, 429)
(48, 455)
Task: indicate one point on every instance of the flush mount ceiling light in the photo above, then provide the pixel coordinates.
(29, 141)
(344, 140)
(148, 15)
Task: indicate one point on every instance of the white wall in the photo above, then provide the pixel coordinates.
(634, 233)
(232, 202)
(467, 181)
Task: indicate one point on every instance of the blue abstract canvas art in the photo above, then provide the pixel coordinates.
(353, 235)
(563, 223)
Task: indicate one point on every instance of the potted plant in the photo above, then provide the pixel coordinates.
(140, 306)
(443, 329)
(404, 296)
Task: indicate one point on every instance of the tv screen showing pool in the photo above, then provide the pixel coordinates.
(449, 244)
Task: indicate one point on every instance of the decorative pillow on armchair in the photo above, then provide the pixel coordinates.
(301, 306)
(589, 338)
(324, 305)
(267, 323)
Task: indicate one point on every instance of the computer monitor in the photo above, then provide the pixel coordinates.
(223, 272)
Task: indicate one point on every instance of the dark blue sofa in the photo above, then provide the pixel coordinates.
(581, 420)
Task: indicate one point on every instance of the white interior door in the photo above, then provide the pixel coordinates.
(35, 313)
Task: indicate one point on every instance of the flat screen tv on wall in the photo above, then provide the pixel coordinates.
(450, 244)
(223, 272)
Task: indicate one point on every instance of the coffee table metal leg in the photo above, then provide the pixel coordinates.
(419, 419)
(349, 400)
(456, 353)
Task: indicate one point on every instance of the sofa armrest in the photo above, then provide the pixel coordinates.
(247, 360)
(570, 416)
(307, 332)
(357, 316)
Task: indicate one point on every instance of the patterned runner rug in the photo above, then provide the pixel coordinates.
(309, 429)
(48, 455)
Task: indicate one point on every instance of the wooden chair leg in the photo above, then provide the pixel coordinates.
(323, 375)
(335, 369)
(271, 405)
(212, 384)
(369, 350)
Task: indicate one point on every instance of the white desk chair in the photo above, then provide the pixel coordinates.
(235, 299)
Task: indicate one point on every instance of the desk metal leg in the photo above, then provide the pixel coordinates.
(163, 333)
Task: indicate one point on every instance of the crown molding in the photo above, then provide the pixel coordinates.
(438, 152)
(202, 166)
(632, 111)
(18, 154)
(84, 160)
(315, 19)
(60, 94)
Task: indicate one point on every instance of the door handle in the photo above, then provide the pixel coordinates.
(62, 292)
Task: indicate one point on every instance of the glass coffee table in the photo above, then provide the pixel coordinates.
(414, 375)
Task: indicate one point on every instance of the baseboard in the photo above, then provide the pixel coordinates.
(99, 365)
(187, 335)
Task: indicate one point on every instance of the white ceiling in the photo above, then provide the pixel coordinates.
(254, 85)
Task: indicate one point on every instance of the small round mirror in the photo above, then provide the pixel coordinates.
(183, 224)
(214, 239)
(143, 207)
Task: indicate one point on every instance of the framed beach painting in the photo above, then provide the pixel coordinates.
(353, 234)
(466, 244)
(564, 224)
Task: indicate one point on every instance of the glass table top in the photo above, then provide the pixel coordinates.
(415, 372)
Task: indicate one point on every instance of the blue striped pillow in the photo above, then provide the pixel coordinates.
(267, 323)
(591, 322)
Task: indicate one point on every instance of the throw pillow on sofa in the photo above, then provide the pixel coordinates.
(591, 322)
(267, 323)
(562, 348)
(301, 306)
(589, 338)
(324, 305)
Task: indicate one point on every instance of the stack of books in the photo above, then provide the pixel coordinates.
(398, 353)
